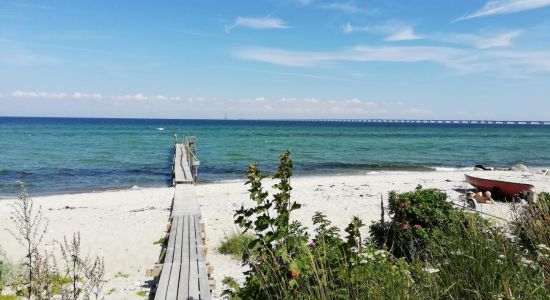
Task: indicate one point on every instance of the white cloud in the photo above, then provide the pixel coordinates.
(348, 7)
(258, 23)
(461, 60)
(78, 95)
(441, 55)
(25, 94)
(393, 31)
(404, 34)
(480, 41)
(501, 7)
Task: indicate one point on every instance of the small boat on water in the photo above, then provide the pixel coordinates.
(504, 188)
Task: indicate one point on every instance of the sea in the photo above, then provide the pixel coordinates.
(72, 155)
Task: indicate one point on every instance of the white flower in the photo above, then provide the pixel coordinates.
(431, 270)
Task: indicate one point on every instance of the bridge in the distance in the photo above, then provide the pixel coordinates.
(416, 121)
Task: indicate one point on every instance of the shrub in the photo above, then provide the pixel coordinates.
(235, 244)
(416, 217)
(285, 263)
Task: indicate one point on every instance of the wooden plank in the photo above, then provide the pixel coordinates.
(173, 282)
(169, 257)
(183, 288)
(204, 288)
(162, 287)
(185, 200)
(194, 291)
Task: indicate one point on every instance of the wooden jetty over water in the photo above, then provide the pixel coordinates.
(414, 121)
(182, 271)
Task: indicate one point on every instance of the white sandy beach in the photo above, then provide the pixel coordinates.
(122, 225)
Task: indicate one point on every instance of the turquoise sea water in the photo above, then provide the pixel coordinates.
(61, 155)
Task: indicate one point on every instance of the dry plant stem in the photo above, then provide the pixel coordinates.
(30, 229)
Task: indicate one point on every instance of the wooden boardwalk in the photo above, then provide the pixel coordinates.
(184, 273)
(182, 171)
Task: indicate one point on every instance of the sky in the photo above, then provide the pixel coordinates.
(285, 59)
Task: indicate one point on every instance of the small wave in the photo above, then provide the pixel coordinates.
(452, 169)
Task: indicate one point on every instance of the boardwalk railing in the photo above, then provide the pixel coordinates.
(185, 162)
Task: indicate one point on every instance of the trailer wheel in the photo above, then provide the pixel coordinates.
(471, 204)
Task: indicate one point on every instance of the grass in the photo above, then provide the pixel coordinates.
(8, 297)
(235, 244)
(161, 241)
(110, 292)
(142, 293)
(120, 274)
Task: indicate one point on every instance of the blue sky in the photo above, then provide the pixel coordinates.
(427, 59)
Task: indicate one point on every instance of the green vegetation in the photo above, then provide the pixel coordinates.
(8, 271)
(426, 249)
(142, 293)
(161, 241)
(8, 297)
(235, 244)
(120, 274)
(110, 292)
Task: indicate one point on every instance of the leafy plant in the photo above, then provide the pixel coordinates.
(284, 263)
(161, 241)
(235, 244)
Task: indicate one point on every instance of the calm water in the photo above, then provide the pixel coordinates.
(56, 155)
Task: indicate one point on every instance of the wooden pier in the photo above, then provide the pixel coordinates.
(182, 271)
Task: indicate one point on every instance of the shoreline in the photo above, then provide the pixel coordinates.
(437, 169)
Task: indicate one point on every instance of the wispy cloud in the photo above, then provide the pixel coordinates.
(461, 60)
(501, 7)
(480, 41)
(393, 31)
(258, 23)
(404, 34)
(346, 7)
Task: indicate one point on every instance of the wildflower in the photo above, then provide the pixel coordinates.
(417, 226)
(527, 262)
(294, 274)
(405, 226)
(431, 270)
(312, 244)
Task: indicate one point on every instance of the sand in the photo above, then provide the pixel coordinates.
(122, 225)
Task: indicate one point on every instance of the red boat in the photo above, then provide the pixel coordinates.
(505, 188)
